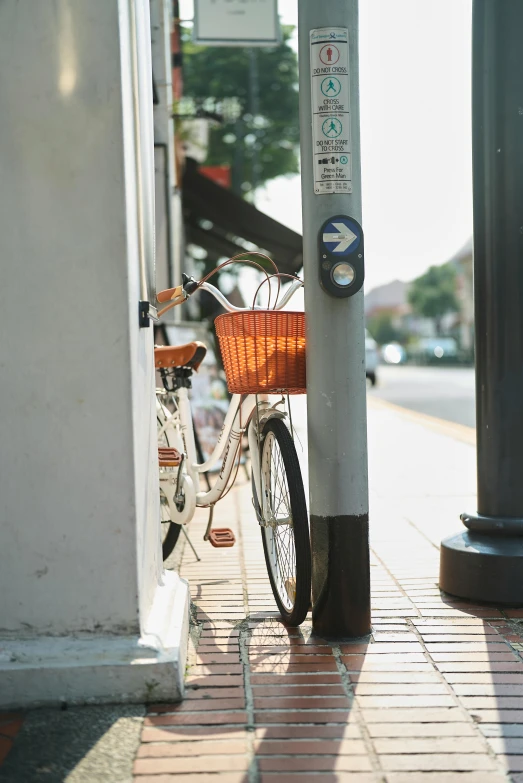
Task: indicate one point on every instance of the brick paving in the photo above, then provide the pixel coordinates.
(434, 695)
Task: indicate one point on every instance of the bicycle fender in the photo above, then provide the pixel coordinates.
(187, 513)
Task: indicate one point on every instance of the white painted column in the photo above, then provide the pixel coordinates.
(169, 235)
(87, 611)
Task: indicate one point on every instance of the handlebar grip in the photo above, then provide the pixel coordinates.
(169, 293)
(178, 300)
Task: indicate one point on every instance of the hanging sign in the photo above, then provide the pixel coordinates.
(236, 23)
(330, 110)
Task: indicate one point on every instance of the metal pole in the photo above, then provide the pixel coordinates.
(237, 165)
(254, 108)
(486, 561)
(333, 270)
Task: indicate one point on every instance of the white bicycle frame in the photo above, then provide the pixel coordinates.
(240, 417)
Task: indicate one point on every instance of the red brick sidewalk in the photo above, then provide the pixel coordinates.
(434, 696)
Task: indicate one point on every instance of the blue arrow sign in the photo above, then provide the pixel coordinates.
(341, 236)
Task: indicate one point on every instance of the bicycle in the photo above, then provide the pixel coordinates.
(255, 362)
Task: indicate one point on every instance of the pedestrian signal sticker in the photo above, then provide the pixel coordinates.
(331, 140)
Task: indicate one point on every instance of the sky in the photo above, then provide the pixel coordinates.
(415, 92)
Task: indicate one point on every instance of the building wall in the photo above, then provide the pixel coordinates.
(78, 483)
(391, 296)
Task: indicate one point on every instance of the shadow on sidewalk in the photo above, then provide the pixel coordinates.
(78, 744)
(296, 716)
(303, 716)
(489, 685)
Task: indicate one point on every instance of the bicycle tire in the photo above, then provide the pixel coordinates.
(170, 539)
(290, 574)
(169, 531)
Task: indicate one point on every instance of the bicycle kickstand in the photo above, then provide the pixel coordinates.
(186, 534)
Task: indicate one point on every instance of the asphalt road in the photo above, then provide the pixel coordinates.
(445, 392)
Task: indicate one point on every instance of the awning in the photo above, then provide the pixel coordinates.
(216, 218)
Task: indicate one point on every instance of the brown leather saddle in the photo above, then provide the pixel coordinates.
(190, 355)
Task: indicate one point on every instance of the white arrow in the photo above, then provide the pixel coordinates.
(346, 237)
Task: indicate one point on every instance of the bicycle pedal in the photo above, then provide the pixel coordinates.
(222, 537)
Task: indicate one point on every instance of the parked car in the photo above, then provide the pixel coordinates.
(371, 358)
(435, 350)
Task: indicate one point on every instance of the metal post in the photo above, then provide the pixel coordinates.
(254, 108)
(333, 270)
(486, 561)
(237, 165)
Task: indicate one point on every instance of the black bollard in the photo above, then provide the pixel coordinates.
(486, 561)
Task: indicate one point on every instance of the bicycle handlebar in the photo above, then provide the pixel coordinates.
(233, 309)
(179, 294)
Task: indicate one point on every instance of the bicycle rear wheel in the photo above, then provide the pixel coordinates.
(284, 523)
(169, 531)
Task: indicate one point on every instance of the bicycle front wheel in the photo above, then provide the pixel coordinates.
(284, 523)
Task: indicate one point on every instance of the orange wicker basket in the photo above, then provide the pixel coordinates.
(263, 351)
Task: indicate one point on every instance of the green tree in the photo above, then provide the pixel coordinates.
(433, 294)
(259, 138)
(381, 327)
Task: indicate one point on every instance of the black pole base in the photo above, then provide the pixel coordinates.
(500, 526)
(340, 576)
(483, 568)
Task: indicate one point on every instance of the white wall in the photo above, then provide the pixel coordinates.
(78, 482)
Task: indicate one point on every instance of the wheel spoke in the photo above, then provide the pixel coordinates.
(280, 538)
(282, 531)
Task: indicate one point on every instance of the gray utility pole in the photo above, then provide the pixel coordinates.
(333, 253)
(485, 562)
